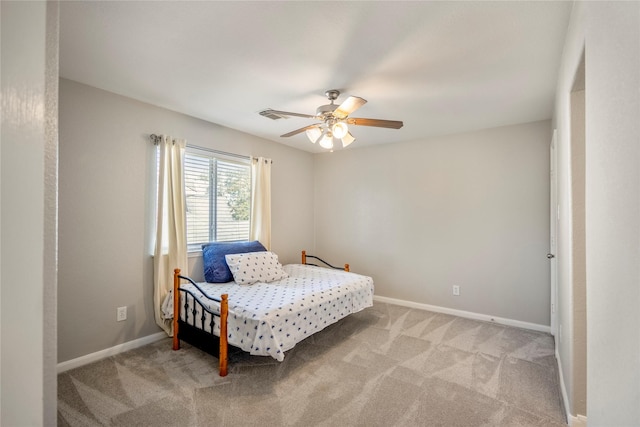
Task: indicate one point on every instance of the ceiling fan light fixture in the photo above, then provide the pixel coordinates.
(340, 129)
(327, 141)
(314, 134)
(347, 139)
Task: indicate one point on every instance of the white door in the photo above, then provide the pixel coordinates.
(554, 214)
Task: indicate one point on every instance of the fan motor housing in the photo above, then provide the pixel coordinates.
(326, 110)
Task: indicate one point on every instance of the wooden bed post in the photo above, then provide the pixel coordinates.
(304, 257)
(224, 312)
(176, 308)
(346, 267)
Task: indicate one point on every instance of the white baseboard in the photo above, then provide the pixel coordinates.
(130, 345)
(578, 421)
(563, 389)
(466, 314)
(99, 355)
(573, 421)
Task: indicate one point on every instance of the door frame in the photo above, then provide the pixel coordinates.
(554, 217)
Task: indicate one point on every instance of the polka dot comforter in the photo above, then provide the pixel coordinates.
(267, 319)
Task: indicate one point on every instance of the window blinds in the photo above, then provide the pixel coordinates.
(218, 196)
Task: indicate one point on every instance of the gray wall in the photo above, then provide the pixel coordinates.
(613, 212)
(29, 78)
(609, 35)
(469, 210)
(107, 176)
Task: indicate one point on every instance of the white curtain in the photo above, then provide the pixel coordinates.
(261, 201)
(171, 240)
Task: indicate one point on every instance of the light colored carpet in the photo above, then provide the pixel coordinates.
(385, 366)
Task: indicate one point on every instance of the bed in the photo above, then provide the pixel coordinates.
(270, 315)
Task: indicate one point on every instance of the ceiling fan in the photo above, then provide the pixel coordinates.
(334, 120)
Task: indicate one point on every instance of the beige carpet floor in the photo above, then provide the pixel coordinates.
(385, 366)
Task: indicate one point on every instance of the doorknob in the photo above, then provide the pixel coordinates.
(550, 256)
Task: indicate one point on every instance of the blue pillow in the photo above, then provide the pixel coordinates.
(216, 269)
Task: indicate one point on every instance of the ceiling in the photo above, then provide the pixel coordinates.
(441, 67)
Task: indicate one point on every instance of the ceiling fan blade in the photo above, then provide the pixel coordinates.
(391, 124)
(297, 131)
(277, 114)
(349, 105)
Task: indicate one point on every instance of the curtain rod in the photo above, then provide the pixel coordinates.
(156, 139)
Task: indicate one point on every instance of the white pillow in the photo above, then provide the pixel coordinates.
(252, 267)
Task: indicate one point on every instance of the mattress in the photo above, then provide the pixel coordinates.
(267, 319)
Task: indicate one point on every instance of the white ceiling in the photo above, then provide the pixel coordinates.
(441, 67)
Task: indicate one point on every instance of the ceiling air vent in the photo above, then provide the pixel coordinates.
(271, 114)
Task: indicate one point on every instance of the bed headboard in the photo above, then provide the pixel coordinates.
(326, 264)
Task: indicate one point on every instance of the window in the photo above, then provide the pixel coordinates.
(218, 197)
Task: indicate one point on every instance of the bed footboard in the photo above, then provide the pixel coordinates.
(224, 312)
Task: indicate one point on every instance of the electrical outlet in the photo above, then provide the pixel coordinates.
(456, 290)
(121, 314)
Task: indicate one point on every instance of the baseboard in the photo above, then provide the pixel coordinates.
(572, 421)
(578, 421)
(112, 351)
(130, 345)
(563, 389)
(466, 314)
